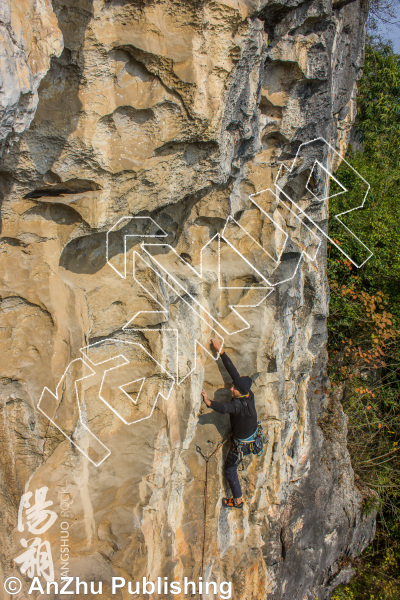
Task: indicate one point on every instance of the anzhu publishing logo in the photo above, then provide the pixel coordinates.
(142, 586)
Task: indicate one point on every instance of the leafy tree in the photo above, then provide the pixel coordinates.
(364, 326)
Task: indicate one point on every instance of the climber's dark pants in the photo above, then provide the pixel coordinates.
(231, 465)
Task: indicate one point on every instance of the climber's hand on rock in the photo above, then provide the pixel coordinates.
(216, 345)
(205, 397)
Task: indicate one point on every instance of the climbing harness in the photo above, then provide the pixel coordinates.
(260, 439)
(255, 442)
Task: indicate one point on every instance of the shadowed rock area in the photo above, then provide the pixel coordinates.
(140, 152)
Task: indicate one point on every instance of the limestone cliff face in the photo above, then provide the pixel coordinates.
(175, 112)
(29, 38)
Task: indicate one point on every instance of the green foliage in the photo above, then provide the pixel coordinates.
(364, 324)
(379, 163)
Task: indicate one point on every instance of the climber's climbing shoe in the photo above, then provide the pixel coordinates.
(230, 503)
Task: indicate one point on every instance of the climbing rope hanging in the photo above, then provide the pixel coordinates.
(207, 459)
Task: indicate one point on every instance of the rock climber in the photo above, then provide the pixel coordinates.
(243, 415)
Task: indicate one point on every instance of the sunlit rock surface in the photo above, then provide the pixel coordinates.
(29, 38)
(174, 112)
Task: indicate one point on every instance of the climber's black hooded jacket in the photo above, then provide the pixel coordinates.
(242, 410)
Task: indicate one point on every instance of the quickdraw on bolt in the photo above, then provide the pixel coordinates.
(200, 451)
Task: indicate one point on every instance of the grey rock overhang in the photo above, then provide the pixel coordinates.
(29, 38)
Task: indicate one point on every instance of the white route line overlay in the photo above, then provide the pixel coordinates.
(177, 285)
(344, 190)
(90, 435)
(214, 327)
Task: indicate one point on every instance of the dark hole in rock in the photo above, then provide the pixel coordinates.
(72, 186)
(271, 364)
(186, 257)
(269, 109)
(12, 242)
(59, 213)
(85, 254)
